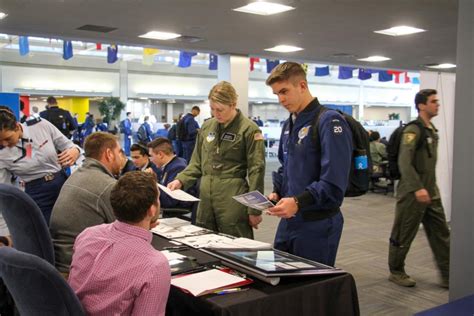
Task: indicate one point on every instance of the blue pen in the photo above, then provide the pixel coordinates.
(237, 289)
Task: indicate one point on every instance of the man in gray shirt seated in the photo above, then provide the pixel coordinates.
(84, 200)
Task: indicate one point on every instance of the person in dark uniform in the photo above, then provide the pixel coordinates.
(60, 118)
(141, 159)
(191, 128)
(418, 197)
(162, 155)
(229, 158)
(30, 152)
(310, 184)
(126, 130)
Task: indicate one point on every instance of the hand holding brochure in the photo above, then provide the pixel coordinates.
(254, 200)
(178, 194)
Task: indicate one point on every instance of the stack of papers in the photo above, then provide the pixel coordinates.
(172, 228)
(207, 282)
(223, 242)
(179, 195)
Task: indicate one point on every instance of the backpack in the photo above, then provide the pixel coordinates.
(122, 127)
(181, 132)
(393, 147)
(141, 134)
(172, 133)
(361, 166)
(57, 117)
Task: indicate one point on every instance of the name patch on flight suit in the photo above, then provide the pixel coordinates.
(408, 138)
(228, 137)
(336, 127)
(210, 137)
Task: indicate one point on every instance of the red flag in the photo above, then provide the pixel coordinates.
(98, 46)
(397, 74)
(253, 60)
(407, 79)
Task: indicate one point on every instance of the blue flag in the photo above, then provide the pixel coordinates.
(185, 59)
(67, 50)
(345, 72)
(213, 62)
(384, 76)
(112, 51)
(415, 80)
(321, 71)
(365, 74)
(272, 64)
(24, 45)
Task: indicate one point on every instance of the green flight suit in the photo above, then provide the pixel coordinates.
(229, 160)
(417, 168)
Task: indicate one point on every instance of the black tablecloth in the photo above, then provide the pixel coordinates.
(301, 295)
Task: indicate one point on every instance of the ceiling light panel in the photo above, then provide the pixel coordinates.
(158, 35)
(264, 8)
(284, 49)
(442, 66)
(3, 15)
(400, 30)
(374, 59)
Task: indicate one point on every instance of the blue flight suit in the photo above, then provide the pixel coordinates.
(148, 131)
(167, 174)
(191, 132)
(88, 127)
(318, 178)
(101, 127)
(127, 139)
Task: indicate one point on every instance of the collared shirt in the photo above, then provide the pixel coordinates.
(116, 271)
(45, 140)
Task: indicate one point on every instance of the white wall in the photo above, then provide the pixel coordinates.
(445, 84)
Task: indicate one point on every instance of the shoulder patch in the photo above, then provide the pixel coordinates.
(408, 138)
(258, 136)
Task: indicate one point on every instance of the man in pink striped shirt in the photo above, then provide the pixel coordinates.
(115, 270)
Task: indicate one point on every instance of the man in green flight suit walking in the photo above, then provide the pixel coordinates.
(229, 158)
(418, 197)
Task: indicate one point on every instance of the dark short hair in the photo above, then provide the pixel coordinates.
(51, 100)
(146, 118)
(141, 148)
(374, 136)
(97, 143)
(7, 119)
(128, 113)
(161, 144)
(196, 108)
(423, 95)
(133, 194)
(286, 72)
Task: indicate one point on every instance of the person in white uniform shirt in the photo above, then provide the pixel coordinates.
(29, 151)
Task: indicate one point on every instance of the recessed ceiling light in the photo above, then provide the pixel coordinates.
(400, 30)
(3, 15)
(160, 35)
(264, 8)
(442, 66)
(374, 58)
(284, 49)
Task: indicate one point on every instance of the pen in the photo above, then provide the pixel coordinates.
(44, 143)
(237, 289)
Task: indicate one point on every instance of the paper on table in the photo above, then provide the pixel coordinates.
(172, 255)
(254, 200)
(178, 194)
(206, 282)
(223, 242)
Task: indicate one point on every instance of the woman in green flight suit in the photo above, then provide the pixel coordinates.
(229, 158)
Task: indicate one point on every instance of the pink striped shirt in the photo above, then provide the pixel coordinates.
(116, 271)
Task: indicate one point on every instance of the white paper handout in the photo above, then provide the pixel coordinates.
(223, 242)
(178, 194)
(204, 282)
(254, 200)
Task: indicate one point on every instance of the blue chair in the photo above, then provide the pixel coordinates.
(36, 286)
(26, 223)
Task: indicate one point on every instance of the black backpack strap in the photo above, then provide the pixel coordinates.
(315, 133)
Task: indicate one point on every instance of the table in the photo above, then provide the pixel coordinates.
(305, 295)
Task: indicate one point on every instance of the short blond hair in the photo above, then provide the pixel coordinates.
(287, 71)
(223, 93)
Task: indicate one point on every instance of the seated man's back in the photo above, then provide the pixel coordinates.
(115, 270)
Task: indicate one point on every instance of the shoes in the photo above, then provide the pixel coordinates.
(402, 279)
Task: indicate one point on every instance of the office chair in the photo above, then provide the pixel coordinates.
(26, 224)
(36, 286)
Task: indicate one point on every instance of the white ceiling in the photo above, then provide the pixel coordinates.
(322, 27)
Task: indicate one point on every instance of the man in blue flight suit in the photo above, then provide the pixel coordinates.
(311, 182)
(126, 130)
(191, 127)
(162, 155)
